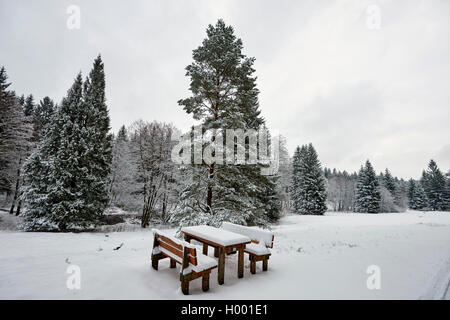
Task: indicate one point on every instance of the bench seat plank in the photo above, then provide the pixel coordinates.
(256, 249)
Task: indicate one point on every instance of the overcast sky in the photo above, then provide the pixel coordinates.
(326, 72)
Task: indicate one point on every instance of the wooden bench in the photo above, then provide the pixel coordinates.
(258, 249)
(193, 264)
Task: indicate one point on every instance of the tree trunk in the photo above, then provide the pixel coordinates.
(19, 205)
(16, 191)
(211, 176)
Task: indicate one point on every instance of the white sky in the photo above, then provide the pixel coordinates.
(324, 76)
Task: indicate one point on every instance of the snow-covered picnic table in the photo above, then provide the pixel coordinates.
(223, 241)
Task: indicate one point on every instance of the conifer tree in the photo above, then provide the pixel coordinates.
(66, 178)
(296, 177)
(10, 118)
(447, 191)
(433, 182)
(43, 113)
(367, 190)
(224, 96)
(389, 182)
(15, 134)
(28, 107)
(417, 199)
(411, 191)
(309, 193)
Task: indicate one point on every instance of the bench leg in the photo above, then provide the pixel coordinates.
(240, 262)
(185, 286)
(216, 252)
(205, 249)
(265, 262)
(205, 282)
(173, 264)
(155, 264)
(252, 265)
(221, 267)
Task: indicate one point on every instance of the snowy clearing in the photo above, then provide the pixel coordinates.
(314, 257)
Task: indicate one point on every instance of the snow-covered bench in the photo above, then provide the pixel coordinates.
(258, 250)
(193, 264)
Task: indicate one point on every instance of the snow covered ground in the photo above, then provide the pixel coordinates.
(313, 258)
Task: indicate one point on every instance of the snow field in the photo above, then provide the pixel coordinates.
(314, 257)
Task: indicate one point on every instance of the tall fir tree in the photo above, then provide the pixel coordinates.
(309, 192)
(224, 96)
(66, 178)
(29, 105)
(389, 182)
(433, 182)
(43, 113)
(417, 199)
(10, 118)
(447, 191)
(296, 177)
(367, 190)
(15, 135)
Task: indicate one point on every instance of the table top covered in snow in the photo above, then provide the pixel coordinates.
(219, 236)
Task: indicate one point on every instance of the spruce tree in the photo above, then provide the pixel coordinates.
(44, 111)
(48, 190)
(309, 193)
(15, 133)
(9, 121)
(417, 199)
(389, 182)
(28, 107)
(296, 177)
(98, 154)
(447, 191)
(66, 178)
(434, 185)
(420, 198)
(367, 190)
(411, 192)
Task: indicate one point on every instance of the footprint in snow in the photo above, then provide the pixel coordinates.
(117, 248)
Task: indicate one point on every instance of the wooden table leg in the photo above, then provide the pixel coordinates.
(221, 271)
(205, 249)
(240, 262)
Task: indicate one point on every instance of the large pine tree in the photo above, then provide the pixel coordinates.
(224, 96)
(367, 190)
(66, 178)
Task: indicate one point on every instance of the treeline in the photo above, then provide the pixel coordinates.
(313, 190)
(21, 127)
